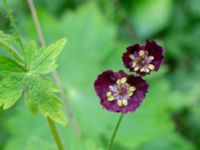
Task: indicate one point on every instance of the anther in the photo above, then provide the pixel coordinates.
(123, 80)
(151, 67)
(110, 98)
(119, 103)
(132, 88)
(132, 57)
(118, 81)
(136, 68)
(142, 70)
(133, 64)
(141, 53)
(130, 93)
(125, 102)
(108, 94)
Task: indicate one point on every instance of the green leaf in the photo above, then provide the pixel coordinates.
(86, 143)
(8, 65)
(172, 141)
(88, 46)
(7, 37)
(39, 136)
(193, 8)
(150, 17)
(43, 60)
(11, 82)
(7, 41)
(39, 97)
(36, 142)
(33, 131)
(86, 49)
(39, 90)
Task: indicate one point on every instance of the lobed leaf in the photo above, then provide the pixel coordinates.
(43, 61)
(39, 96)
(7, 37)
(39, 89)
(11, 82)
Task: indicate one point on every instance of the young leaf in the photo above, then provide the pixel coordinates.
(44, 60)
(39, 90)
(39, 96)
(6, 42)
(7, 37)
(11, 82)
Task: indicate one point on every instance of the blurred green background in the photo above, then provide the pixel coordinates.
(98, 32)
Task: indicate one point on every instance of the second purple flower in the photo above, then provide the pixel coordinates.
(143, 59)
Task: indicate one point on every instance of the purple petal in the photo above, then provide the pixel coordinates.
(109, 78)
(152, 49)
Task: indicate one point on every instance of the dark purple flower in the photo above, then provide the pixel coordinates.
(144, 58)
(120, 92)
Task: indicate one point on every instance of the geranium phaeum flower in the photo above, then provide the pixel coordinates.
(120, 92)
(143, 58)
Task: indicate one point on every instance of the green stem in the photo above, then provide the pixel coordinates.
(55, 134)
(115, 131)
(12, 51)
(13, 24)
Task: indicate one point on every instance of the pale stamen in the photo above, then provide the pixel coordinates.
(151, 67)
(120, 92)
(120, 103)
(125, 102)
(142, 62)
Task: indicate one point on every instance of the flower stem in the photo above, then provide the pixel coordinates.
(55, 134)
(13, 24)
(115, 131)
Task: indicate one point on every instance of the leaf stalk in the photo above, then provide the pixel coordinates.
(55, 134)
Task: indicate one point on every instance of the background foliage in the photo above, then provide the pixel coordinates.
(98, 32)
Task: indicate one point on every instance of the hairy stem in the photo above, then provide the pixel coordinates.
(55, 134)
(13, 24)
(115, 132)
(54, 73)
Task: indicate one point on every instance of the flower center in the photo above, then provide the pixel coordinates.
(121, 92)
(142, 62)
